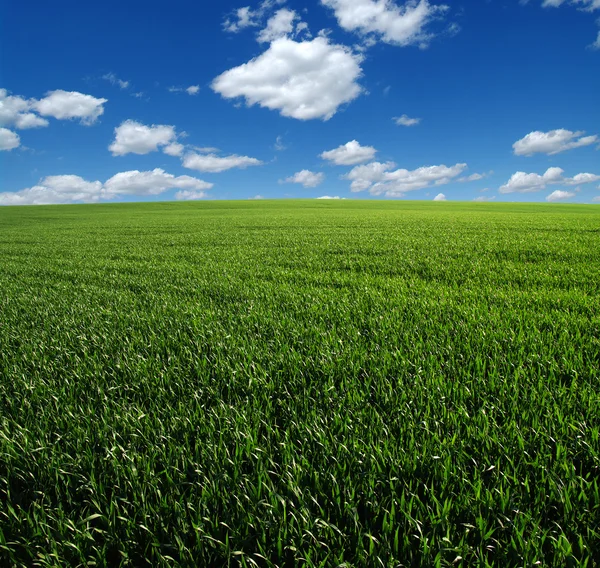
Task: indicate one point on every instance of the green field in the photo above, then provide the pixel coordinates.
(288, 383)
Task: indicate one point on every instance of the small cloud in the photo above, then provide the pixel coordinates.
(114, 80)
(9, 140)
(329, 197)
(551, 142)
(65, 105)
(306, 178)
(349, 154)
(559, 195)
(193, 89)
(136, 138)
(440, 197)
(405, 120)
(279, 145)
(188, 195)
(483, 198)
(257, 197)
(215, 164)
(174, 149)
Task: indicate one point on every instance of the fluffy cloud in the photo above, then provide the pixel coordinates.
(385, 20)
(552, 142)
(9, 139)
(379, 178)
(303, 80)
(244, 18)
(328, 197)
(440, 197)
(174, 149)
(72, 189)
(483, 198)
(349, 154)
(405, 120)
(279, 25)
(133, 137)
(306, 178)
(521, 182)
(16, 111)
(214, 164)
(193, 89)
(559, 195)
(66, 105)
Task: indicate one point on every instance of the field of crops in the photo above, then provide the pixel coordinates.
(300, 383)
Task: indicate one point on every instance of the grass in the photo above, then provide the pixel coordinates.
(300, 383)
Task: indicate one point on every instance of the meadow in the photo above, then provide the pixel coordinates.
(300, 383)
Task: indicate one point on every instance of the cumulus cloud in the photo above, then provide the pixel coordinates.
(552, 142)
(193, 89)
(306, 178)
(114, 80)
(405, 120)
(385, 20)
(281, 24)
(349, 154)
(65, 105)
(559, 195)
(214, 164)
(521, 182)
(174, 149)
(328, 197)
(136, 138)
(303, 80)
(439, 197)
(9, 139)
(243, 18)
(380, 178)
(483, 198)
(16, 111)
(73, 189)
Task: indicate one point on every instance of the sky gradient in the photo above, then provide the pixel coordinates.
(357, 99)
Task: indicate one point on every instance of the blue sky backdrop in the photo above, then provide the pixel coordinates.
(129, 101)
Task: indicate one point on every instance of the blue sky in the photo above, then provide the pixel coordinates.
(357, 99)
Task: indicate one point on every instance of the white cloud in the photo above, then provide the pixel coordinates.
(596, 44)
(385, 20)
(328, 197)
(559, 195)
(72, 189)
(174, 149)
(552, 142)
(483, 198)
(587, 5)
(193, 89)
(257, 197)
(306, 178)
(379, 178)
(9, 139)
(521, 182)
(65, 105)
(440, 197)
(472, 177)
(582, 178)
(405, 120)
(114, 80)
(244, 18)
(214, 164)
(349, 154)
(136, 138)
(279, 25)
(188, 195)
(16, 111)
(303, 80)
